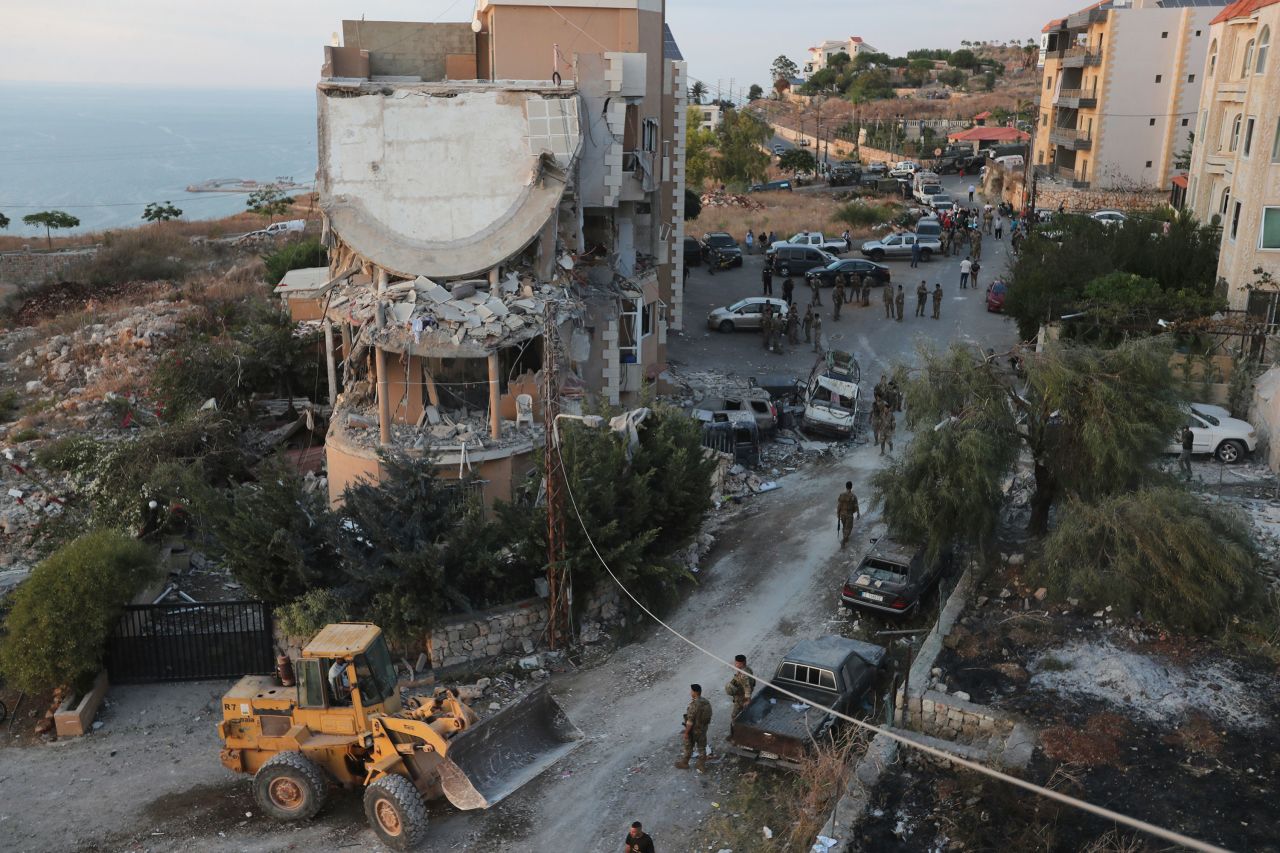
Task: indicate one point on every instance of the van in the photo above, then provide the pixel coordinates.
(798, 260)
(282, 227)
(929, 226)
(1011, 162)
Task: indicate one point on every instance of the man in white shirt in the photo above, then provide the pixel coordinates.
(965, 267)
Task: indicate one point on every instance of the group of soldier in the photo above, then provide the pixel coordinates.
(697, 717)
(884, 409)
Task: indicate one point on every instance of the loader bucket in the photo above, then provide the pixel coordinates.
(500, 754)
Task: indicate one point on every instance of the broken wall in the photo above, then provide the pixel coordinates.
(407, 48)
(1264, 414)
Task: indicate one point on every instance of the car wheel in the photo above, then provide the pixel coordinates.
(925, 254)
(726, 326)
(1230, 452)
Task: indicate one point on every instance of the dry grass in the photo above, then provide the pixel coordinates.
(304, 208)
(784, 213)
(1115, 841)
(1095, 743)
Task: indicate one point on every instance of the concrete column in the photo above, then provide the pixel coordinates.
(380, 366)
(433, 393)
(493, 279)
(495, 398)
(346, 341)
(329, 363)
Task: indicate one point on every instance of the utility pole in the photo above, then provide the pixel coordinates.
(559, 587)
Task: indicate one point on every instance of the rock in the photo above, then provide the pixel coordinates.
(1074, 602)
(1012, 671)
(961, 695)
(1005, 593)
(531, 662)
(982, 599)
(541, 673)
(494, 706)
(1041, 593)
(1017, 559)
(936, 672)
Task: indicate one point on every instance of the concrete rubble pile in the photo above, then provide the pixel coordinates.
(727, 199)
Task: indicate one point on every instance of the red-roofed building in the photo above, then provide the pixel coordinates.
(981, 118)
(1119, 91)
(1235, 166)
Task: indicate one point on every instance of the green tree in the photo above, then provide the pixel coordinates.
(797, 160)
(296, 255)
(838, 60)
(4, 222)
(700, 146)
(871, 86)
(989, 80)
(692, 204)
(52, 220)
(274, 535)
(951, 77)
(755, 93)
(964, 59)
(1160, 552)
(697, 91)
(157, 212)
(783, 69)
(919, 72)
(739, 139)
(59, 618)
(269, 202)
(1092, 419)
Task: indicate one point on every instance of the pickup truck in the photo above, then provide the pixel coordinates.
(899, 246)
(834, 245)
(277, 228)
(828, 673)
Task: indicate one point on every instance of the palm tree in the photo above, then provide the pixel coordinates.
(697, 91)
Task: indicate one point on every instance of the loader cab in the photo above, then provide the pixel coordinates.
(347, 665)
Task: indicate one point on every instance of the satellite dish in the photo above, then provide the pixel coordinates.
(476, 26)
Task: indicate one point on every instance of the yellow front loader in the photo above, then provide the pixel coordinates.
(344, 723)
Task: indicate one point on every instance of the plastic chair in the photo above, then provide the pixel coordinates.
(524, 409)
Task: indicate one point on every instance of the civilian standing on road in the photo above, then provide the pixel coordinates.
(773, 238)
(637, 840)
(766, 278)
(697, 717)
(966, 267)
(999, 227)
(750, 241)
(937, 300)
(922, 293)
(1184, 458)
(899, 302)
(915, 253)
(971, 191)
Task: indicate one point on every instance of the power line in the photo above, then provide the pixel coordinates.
(1066, 799)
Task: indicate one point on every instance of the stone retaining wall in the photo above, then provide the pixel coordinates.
(516, 629)
(28, 269)
(948, 716)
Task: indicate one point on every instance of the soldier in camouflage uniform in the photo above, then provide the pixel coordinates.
(740, 686)
(697, 718)
(846, 510)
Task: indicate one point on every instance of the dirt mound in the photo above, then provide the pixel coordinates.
(70, 296)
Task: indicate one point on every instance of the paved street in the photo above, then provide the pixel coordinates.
(876, 342)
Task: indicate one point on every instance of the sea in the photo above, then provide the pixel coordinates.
(102, 153)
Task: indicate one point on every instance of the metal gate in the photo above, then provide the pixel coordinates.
(188, 642)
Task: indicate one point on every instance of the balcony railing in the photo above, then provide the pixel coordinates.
(1063, 173)
(1078, 57)
(1074, 98)
(1076, 140)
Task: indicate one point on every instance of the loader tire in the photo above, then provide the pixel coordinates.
(289, 786)
(396, 812)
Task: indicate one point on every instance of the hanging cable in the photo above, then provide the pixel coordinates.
(1065, 799)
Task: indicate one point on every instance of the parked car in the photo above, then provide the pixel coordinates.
(904, 169)
(876, 169)
(996, 292)
(770, 186)
(1109, 218)
(798, 260)
(854, 268)
(941, 202)
(893, 577)
(735, 433)
(834, 245)
(692, 252)
(827, 672)
(844, 175)
(899, 246)
(722, 242)
(1228, 439)
(831, 395)
(778, 150)
(744, 314)
(929, 226)
(275, 229)
(754, 401)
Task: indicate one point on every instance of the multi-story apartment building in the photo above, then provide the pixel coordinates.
(1119, 91)
(1235, 168)
(500, 196)
(820, 54)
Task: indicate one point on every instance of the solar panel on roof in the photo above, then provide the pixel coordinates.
(670, 50)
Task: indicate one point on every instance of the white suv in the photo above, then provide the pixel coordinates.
(1227, 438)
(904, 169)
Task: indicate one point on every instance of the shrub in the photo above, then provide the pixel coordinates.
(858, 214)
(306, 615)
(8, 404)
(1160, 552)
(61, 616)
(141, 254)
(24, 434)
(297, 255)
(70, 453)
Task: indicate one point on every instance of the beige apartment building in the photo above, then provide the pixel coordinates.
(820, 54)
(499, 196)
(1235, 169)
(1118, 96)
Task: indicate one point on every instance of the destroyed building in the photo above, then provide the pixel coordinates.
(479, 182)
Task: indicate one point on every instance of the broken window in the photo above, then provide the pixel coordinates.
(629, 332)
(647, 319)
(650, 141)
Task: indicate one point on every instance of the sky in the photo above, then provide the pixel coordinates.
(278, 43)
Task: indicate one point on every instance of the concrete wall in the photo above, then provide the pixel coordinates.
(521, 37)
(947, 716)
(27, 269)
(407, 48)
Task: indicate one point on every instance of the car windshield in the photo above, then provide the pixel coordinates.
(940, 198)
(1208, 417)
(719, 240)
(878, 569)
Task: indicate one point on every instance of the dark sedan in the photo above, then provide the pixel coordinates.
(893, 578)
(724, 244)
(854, 268)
